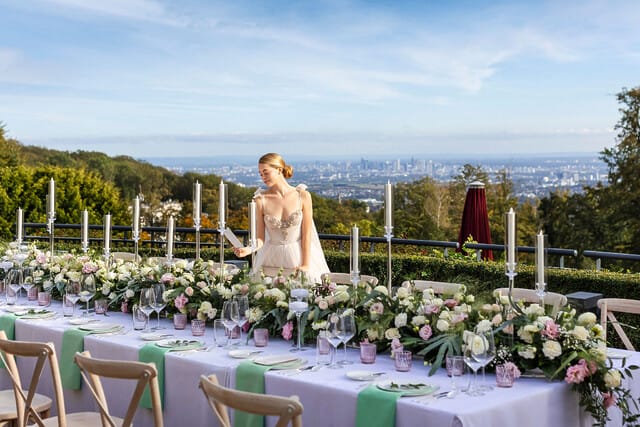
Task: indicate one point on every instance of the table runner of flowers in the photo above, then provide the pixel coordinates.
(567, 347)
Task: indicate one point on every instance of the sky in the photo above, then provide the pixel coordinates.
(148, 78)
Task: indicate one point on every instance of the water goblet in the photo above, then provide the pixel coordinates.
(159, 303)
(15, 280)
(348, 331)
(229, 317)
(486, 357)
(87, 291)
(334, 336)
(147, 301)
(243, 310)
(27, 281)
(474, 350)
(299, 308)
(72, 295)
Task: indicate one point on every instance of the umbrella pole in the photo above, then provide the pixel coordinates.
(388, 234)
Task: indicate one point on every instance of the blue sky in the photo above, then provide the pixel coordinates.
(197, 77)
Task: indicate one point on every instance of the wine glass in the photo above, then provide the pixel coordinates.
(27, 281)
(334, 335)
(15, 279)
(299, 307)
(229, 316)
(348, 331)
(87, 291)
(487, 356)
(474, 351)
(147, 304)
(243, 308)
(72, 294)
(159, 303)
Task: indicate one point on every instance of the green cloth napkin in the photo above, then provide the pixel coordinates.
(72, 342)
(376, 407)
(8, 325)
(249, 377)
(151, 353)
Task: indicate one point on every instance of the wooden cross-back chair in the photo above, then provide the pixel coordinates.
(43, 353)
(125, 256)
(8, 410)
(145, 374)
(439, 288)
(345, 278)
(555, 300)
(607, 308)
(287, 409)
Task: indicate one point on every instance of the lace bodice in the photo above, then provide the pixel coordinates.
(284, 231)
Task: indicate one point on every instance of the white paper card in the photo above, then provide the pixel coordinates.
(232, 238)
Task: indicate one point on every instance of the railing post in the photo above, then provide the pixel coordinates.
(561, 261)
(446, 252)
(478, 255)
(598, 262)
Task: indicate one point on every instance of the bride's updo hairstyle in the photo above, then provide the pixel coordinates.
(276, 160)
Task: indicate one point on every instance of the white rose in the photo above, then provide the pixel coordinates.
(612, 378)
(551, 349)
(401, 320)
(478, 344)
(381, 289)
(418, 320)
(525, 335)
(402, 293)
(372, 334)
(129, 293)
(528, 352)
(483, 326)
(442, 325)
(391, 333)
(580, 333)
(587, 319)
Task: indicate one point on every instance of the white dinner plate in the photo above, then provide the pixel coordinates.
(179, 344)
(15, 308)
(408, 387)
(364, 375)
(100, 327)
(36, 314)
(153, 336)
(243, 354)
(82, 320)
(276, 359)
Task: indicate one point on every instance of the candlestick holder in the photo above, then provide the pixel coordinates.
(196, 225)
(541, 291)
(511, 274)
(388, 233)
(51, 219)
(136, 238)
(107, 257)
(221, 228)
(85, 246)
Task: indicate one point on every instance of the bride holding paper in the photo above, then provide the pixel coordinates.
(286, 237)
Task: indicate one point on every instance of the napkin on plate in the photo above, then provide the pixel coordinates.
(250, 377)
(72, 342)
(376, 407)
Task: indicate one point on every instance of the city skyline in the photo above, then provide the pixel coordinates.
(148, 78)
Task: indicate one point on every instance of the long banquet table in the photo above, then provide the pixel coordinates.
(328, 396)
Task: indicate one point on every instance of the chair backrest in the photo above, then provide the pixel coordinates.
(345, 278)
(287, 409)
(556, 300)
(43, 353)
(125, 256)
(144, 373)
(608, 306)
(440, 288)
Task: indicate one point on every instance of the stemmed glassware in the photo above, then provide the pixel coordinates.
(159, 303)
(299, 307)
(15, 279)
(334, 335)
(243, 307)
(87, 291)
(487, 356)
(474, 351)
(229, 316)
(147, 304)
(27, 281)
(72, 294)
(348, 331)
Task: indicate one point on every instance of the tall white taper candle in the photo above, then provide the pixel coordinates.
(170, 230)
(19, 226)
(221, 203)
(540, 257)
(355, 249)
(84, 220)
(52, 197)
(252, 224)
(136, 216)
(107, 233)
(511, 240)
(197, 202)
(388, 205)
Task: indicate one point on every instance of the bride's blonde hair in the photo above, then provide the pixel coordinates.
(276, 160)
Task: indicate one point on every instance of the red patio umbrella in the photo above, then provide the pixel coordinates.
(475, 219)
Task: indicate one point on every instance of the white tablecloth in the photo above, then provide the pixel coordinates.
(328, 396)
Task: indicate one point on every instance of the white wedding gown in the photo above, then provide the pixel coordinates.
(282, 249)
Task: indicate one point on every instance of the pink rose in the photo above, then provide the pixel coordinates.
(323, 305)
(287, 331)
(425, 332)
(450, 302)
(432, 309)
(181, 301)
(244, 289)
(332, 287)
(168, 278)
(578, 372)
(551, 330)
(189, 291)
(396, 345)
(377, 307)
(88, 268)
(41, 258)
(457, 318)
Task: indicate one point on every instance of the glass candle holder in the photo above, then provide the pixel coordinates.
(197, 327)
(100, 306)
(323, 349)
(261, 337)
(403, 361)
(367, 353)
(44, 298)
(454, 365)
(179, 321)
(504, 376)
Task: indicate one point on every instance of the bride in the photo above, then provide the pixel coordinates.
(286, 234)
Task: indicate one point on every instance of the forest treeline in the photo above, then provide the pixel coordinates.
(604, 217)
